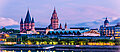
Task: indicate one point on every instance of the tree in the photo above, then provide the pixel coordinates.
(11, 39)
(4, 29)
(24, 38)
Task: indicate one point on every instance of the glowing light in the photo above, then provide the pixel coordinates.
(13, 50)
(6, 35)
(29, 51)
(117, 32)
(29, 42)
(37, 43)
(10, 43)
(37, 51)
(92, 43)
(21, 50)
(22, 43)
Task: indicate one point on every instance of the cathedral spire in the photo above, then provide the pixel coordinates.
(54, 12)
(65, 25)
(21, 25)
(21, 22)
(32, 24)
(60, 26)
(28, 17)
(54, 20)
(32, 20)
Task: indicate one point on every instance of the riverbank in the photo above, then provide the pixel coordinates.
(72, 48)
(19, 47)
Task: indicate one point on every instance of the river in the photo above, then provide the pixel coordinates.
(64, 50)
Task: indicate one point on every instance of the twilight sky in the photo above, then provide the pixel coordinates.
(73, 12)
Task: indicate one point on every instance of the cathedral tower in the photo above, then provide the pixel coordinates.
(54, 20)
(21, 25)
(32, 24)
(60, 26)
(28, 25)
(65, 25)
(27, 22)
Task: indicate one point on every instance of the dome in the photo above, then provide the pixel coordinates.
(106, 21)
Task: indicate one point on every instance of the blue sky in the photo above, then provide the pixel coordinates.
(73, 12)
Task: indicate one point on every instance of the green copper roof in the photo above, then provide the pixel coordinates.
(106, 21)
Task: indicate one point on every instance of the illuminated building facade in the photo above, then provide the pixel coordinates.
(28, 25)
(106, 30)
(55, 22)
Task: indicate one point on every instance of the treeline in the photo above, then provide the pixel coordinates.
(25, 39)
(10, 31)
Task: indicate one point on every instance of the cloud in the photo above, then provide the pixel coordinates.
(92, 24)
(7, 21)
(69, 11)
(97, 23)
(3, 2)
(79, 13)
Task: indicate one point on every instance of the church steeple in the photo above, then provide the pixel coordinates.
(60, 26)
(54, 14)
(28, 25)
(21, 22)
(65, 25)
(32, 20)
(54, 20)
(21, 25)
(28, 17)
(32, 24)
(27, 22)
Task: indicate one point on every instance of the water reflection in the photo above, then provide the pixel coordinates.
(52, 51)
(37, 51)
(29, 51)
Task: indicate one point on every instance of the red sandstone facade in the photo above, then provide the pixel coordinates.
(55, 22)
(28, 24)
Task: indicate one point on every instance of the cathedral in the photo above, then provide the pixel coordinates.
(28, 24)
(55, 21)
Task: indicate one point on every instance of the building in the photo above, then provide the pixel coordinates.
(85, 37)
(107, 30)
(41, 30)
(28, 26)
(67, 32)
(117, 29)
(79, 28)
(74, 32)
(55, 22)
(106, 22)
